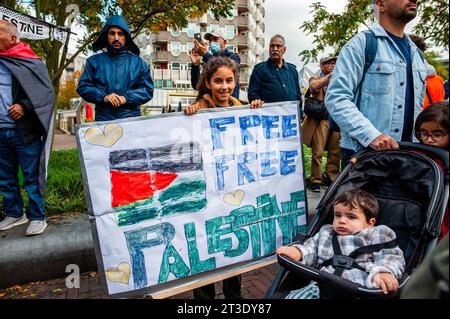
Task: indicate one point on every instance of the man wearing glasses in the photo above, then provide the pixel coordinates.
(275, 80)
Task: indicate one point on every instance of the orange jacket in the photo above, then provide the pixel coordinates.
(435, 88)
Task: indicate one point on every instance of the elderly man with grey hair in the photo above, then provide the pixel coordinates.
(275, 80)
(26, 109)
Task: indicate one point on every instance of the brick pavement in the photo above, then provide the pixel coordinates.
(254, 286)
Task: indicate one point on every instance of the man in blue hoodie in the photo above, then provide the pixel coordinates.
(117, 80)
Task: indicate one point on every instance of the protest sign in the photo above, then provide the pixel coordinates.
(177, 196)
(32, 28)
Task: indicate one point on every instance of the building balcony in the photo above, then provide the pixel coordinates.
(243, 5)
(161, 57)
(258, 16)
(203, 21)
(161, 37)
(262, 26)
(174, 75)
(242, 23)
(259, 34)
(243, 42)
(245, 61)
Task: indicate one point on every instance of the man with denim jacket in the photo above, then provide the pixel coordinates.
(393, 89)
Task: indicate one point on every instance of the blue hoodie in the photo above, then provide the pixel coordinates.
(116, 71)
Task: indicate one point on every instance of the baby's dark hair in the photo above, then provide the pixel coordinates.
(209, 69)
(436, 112)
(358, 198)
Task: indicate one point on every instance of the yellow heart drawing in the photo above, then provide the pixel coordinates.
(107, 137)
(121, 274)
(234, 199)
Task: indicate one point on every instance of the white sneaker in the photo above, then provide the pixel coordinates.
(36, 227)
(10, 222)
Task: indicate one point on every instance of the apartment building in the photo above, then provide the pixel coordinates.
(167, 51)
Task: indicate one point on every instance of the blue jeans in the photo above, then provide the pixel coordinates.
(13, 151)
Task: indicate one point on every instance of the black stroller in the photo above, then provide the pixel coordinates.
(412, 192)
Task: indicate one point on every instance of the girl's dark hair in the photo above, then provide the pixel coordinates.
(209, 69)
(358, 198)
(437, 112)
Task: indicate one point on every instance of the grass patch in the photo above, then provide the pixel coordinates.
(307, 161)
(65, 191)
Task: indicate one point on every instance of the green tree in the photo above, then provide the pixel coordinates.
(141, 16)
(68, 90)
(333, 31)
(432, 57)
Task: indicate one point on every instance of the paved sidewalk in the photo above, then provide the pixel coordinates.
(64, 141)
(254, 286)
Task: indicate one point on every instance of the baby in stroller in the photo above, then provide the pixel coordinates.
(352, 247)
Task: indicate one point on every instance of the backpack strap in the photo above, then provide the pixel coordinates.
(370, 51)
(429, 96)
(421, 56)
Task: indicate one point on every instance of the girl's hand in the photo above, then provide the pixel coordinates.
(290, 251)
(256, 104)
(191, 109)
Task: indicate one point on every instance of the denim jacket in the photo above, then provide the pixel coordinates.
(383, 91)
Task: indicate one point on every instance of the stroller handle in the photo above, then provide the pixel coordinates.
(408, 146)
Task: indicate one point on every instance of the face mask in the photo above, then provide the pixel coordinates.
(214, 47)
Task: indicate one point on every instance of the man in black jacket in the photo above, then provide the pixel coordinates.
(26, 109)
(217, 47)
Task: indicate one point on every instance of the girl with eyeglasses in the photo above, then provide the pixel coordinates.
(432, 128)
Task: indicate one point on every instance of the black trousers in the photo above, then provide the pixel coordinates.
(231, 289)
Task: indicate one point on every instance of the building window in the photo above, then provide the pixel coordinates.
(211, 14)
(175, 66)
(229, 32)
(175, 48)
(175, 33)
(192, 29)
(190, 46)
(213, 27)
(231, 48)
(233, 13)
(167, 84)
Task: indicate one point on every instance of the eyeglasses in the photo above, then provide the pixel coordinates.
(435, 135)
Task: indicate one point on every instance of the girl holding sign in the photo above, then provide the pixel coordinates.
(215, 89)
(216, 85)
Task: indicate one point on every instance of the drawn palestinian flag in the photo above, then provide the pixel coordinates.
(157, 182)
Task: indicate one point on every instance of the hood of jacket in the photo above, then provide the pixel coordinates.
(102, 39)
